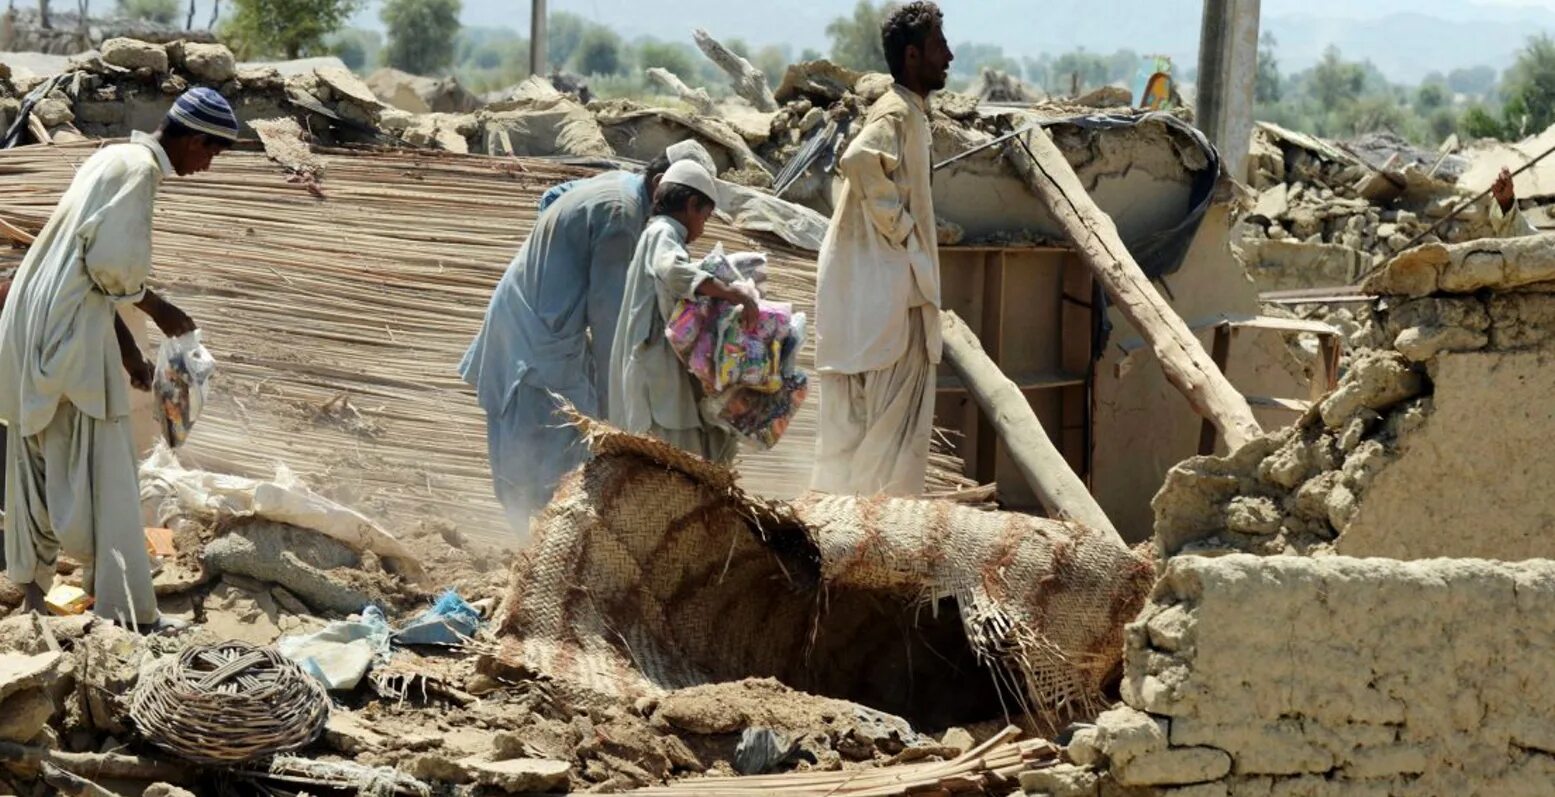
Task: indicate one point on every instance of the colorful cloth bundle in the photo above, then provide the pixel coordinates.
(750, 378)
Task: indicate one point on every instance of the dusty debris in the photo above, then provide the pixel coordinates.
(297, 559)
(1451, 389)
(1046, 649)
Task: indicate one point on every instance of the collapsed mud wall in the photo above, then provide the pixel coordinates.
(1433, 447)
(1321, 213)
(1326, 676)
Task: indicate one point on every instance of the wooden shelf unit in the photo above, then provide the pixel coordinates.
(1031, 308)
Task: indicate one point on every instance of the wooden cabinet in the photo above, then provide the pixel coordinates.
(1031, 306)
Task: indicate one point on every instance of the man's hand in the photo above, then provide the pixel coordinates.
(1503, 191)
(172, 321)
(140, 370)
(750, 314)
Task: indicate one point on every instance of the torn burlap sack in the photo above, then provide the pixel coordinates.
(651, 570)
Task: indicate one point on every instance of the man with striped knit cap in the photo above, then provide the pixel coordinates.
(69, 365)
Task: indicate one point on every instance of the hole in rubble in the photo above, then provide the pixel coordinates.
(904, 658)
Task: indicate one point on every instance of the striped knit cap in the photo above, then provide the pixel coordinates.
(205, 111)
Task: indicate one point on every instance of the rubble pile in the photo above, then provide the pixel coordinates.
(1457, 390)
(417, 707)
(1323, 217)
(22, 31)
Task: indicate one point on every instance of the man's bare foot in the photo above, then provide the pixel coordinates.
(33, 599)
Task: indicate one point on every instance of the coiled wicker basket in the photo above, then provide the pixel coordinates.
(229, 703)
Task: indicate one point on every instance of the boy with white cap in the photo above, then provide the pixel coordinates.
(550, 326)
(70, 458)
(651, 390)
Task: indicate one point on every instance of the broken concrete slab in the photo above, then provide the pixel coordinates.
(24, 715)
(1503, 264)
(212, 63)
(519, 775)
(20, 672)
(419, 94)
(135, 54)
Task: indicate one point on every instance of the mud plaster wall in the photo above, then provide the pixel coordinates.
(1135, 174)
(1474, 479)
(1320, 676)
(1143, 425)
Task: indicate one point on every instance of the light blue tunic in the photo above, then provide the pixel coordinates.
(549, 329)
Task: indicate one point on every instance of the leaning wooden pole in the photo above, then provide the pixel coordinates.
(1049, 176)
(749, 82)
(1058, 488)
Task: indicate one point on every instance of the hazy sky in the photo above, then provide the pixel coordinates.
(1404, 37)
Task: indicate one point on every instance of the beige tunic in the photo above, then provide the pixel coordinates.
(70, 470)
(1511, 224)
(877, 309)
(651, 392)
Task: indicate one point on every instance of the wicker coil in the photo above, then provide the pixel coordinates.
(229, 703)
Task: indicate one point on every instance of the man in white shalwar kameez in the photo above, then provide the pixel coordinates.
(70, 458)
(878, 295)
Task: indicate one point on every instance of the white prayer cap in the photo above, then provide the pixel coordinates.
(691, 149)
(693, 175)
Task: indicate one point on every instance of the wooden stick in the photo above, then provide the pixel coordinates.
(1056, 484)
(698, 99)
(1049, 176)
(32, 760)
(749, 82)
(16, 233)
(72, 785)
(39, 132)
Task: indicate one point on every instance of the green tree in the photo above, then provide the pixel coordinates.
(1476, 81)
(600, 52)
(1430, 97)
(162, 12)
(1442, 123)
(1335, 81)
(971, 58)
(1088, 70)
(1478, 123)
(1266, 87)
(855, 40)
(810, 54)
(289, 28)
(773, 61)
(676, 57)
(358, 48)
(422, 34)
(564, 35)
(1529, 87)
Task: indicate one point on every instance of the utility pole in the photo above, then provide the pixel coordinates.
(1228, 75)
(537, 63)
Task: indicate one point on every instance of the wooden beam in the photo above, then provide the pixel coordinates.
(698, 99)
(749, 82)
(1043, 167)
(1006, 408)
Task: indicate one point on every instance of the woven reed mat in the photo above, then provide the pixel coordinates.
(652, 570)
(229, 703)
(338, 323)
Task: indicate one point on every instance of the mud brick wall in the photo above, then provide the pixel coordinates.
(1331, 675)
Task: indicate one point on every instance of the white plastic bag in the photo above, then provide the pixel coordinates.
(183, 374)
